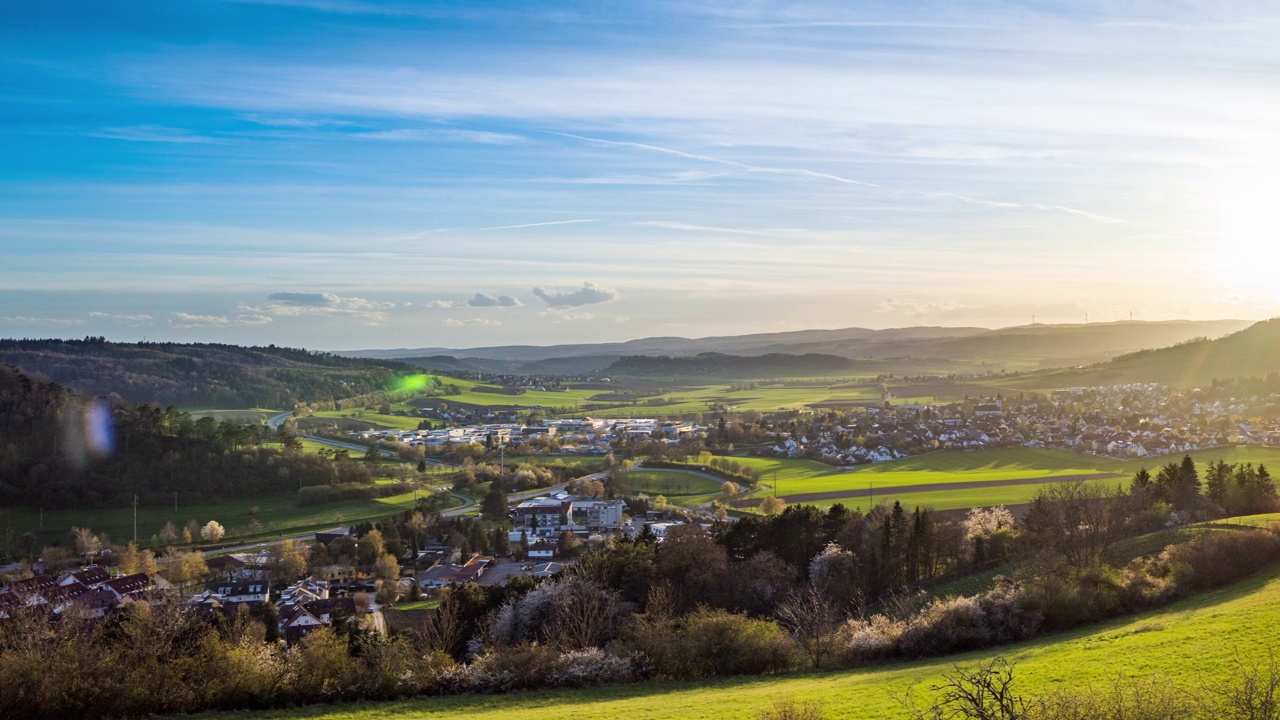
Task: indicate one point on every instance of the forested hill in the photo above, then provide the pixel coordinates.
(59, 449)
(201, 375)
(729, 365)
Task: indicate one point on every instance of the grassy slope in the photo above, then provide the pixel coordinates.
(1190, 642)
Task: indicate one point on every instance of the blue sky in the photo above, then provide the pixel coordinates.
(347, 173)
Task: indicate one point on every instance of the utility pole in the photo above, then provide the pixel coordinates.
(502, 459)
(871, 488)
(135, 519)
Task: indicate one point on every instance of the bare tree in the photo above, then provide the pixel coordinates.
(812, 618)
(981, 693)
(585, 616)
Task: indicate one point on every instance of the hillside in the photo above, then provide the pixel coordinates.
(1252, 352)
(201, 375)
(1023, 347)
(1188, 644)
(721, 365)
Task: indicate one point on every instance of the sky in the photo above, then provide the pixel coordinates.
(342, 174)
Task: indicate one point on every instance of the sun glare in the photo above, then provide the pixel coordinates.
(1248, 241)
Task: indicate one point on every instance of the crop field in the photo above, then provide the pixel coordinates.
(1189, 643)
(276, 513)
(378, 420)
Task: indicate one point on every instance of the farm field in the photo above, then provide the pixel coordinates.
(683, 396)
(276, 513)
(1191, 642)
(1003, 476)
(383, 422)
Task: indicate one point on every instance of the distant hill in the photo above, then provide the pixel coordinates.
(1016, 347)
(201, 375)
(722, 365)
(1252, 352)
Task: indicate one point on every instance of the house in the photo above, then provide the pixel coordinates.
(91, 577)
(127, 585)
(229, 567)
(299, 619)
(445, 575)
(296, 622)
(542, 550)
(257, 591)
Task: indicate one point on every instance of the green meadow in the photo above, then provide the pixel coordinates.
(973, 468)
(277, 515)
(1189, 643)
(676, 486)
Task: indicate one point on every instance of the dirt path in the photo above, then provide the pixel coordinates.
(871, 492)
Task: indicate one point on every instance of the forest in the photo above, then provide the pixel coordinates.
(201, 375)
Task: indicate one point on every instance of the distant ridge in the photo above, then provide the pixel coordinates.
(1038, 345)
(1252, 352)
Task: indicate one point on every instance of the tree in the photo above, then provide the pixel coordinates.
(494, 504)
(728, 490)
(134, 561)
(168, 534)
(371, 547)
(387, 568)
(85, 541)
(812, 620)
(212, 531)
(772, 505)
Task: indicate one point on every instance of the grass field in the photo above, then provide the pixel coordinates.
(683, 396)
(276, 513)
(1191, 642)
(940, 469)
(676, 486)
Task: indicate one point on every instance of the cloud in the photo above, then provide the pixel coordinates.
(588, 294)
(453, 322)
(430, 134)
(125, 318)
(539, 224)
(152, 133)
(189, 320)
(303, 303)
(482, 300)
(27, 320)
(912, 308)
(298, 299)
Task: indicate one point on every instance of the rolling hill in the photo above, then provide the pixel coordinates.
(1026, 347)
(201, 375)
(1252, 352)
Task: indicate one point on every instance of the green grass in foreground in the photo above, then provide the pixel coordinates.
(1191, 642)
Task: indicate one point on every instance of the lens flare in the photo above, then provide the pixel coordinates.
(411, 383)
(99, 436)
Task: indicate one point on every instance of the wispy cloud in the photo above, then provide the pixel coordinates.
(540, 224)
(802, 172)
(183, 320)
(28, 320)
(153, 134)
(441, 135)
(470, 322)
